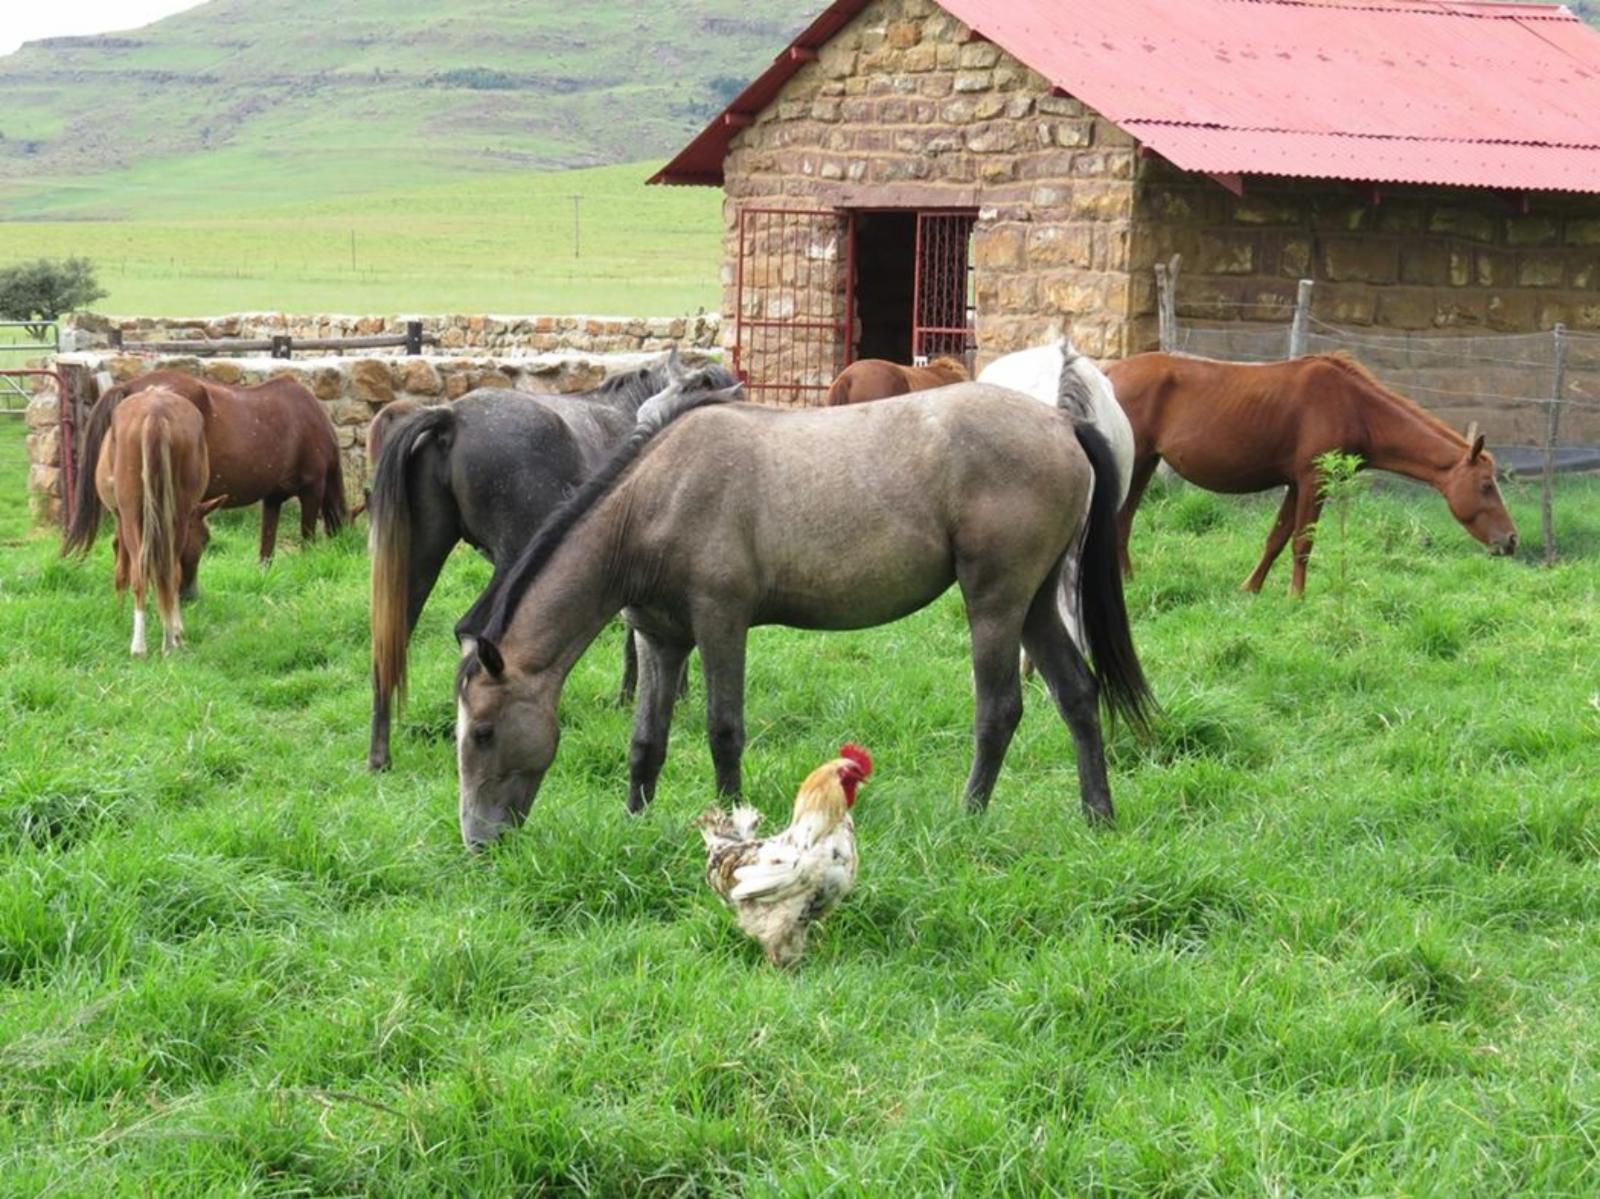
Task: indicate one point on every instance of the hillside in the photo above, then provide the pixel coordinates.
(240, 102)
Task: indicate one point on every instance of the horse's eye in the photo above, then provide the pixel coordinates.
(482, 733)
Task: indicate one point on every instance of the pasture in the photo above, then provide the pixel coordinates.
(478, 244)
(1345, 938)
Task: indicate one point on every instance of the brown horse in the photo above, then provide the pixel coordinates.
(390, 415)
(880, 379)
(267, 444)
(1236, 428)
(151, 470)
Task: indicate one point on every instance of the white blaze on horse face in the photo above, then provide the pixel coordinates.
(138, 647)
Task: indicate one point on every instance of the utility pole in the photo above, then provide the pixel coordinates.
(577, 228)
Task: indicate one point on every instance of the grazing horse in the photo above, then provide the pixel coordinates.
(151, 472)
(880, 379)
(1235, 428)
(266, 444)
(378, 431)
(1053, 374)
(742, 515)
(486, 470)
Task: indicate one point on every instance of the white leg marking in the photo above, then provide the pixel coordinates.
(138, 648)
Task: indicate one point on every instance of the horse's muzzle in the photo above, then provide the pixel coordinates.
(1504, 547)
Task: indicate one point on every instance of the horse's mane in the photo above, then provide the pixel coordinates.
(635, 386)
(492, 611)
(1358, 371)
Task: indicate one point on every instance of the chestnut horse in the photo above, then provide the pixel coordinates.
(880, 379)
(267, 444)
(390, 415)
(1238, 427)
(151, 470)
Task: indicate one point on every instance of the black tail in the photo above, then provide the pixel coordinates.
(335, 504)
(389, 536)
(1105, 613)
(86, 511)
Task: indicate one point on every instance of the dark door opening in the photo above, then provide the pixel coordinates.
(886, 261)
(913, 286)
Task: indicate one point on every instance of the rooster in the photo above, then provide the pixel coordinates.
(779, 886)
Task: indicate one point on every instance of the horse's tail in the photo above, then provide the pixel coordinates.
(86, 511)
(389, 538)
(1105, 612)
(335, 505)
(158, 563)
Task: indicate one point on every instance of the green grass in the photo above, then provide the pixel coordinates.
(1345, 939)
(501, 244)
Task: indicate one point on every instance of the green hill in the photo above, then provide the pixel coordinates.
(239, 103)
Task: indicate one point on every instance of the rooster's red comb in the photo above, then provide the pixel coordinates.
(857, 755)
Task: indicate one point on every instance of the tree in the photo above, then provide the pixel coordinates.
(44, 289)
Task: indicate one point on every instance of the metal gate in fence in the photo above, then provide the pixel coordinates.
(793, 303)
(18, 341)
(942, 308)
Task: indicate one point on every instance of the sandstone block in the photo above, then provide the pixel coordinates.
(1463, 222)
(371, 382)
(418, 377)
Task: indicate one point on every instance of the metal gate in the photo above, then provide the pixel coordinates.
(794, 302)
(943, 304)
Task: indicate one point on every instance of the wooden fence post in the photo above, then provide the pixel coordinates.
(413, 338)
(1300, 327)
(1167, 302)
(1552, 431)
(282, 346)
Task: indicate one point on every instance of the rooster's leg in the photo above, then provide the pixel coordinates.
(1077, 697)
(660, 666)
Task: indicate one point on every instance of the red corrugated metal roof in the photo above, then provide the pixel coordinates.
(1401, 91)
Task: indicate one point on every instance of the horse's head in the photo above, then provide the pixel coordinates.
(506, 738)
(1472, 490)
(196, 536)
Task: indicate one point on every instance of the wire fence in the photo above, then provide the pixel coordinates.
(1535, 395)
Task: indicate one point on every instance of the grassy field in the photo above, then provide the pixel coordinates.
(1345, 939)
(501, 244)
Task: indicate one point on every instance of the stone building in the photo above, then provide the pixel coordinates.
(912, 178)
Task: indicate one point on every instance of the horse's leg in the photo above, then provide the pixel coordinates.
(310, 509)
(630, 666)
(434, 534)
(1143, 469)
(722, 649)
(1076, 693)
(1307, 510)
(269, 526)
(1276, 540)
(660, 664)
(137, 580)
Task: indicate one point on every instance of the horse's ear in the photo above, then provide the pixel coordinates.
(675, 370)
(207, 507)
(489, 655)
(1475, 441)
(727, 395)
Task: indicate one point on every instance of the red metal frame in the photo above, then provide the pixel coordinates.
(941, 313)
(785, 354)
(66, 433)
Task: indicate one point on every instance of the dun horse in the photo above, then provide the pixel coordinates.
(266, 444)
(486, 470)
(880, 379)
(1238, 428)
(740, 515)
(151, 471)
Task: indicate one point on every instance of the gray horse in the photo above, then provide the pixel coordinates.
(840, 518)
(486, 470)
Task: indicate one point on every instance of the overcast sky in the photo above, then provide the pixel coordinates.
(25, 20)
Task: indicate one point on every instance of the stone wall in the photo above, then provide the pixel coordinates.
(472, 334)
(352, 390)
(904, 109)
(1414, 258)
